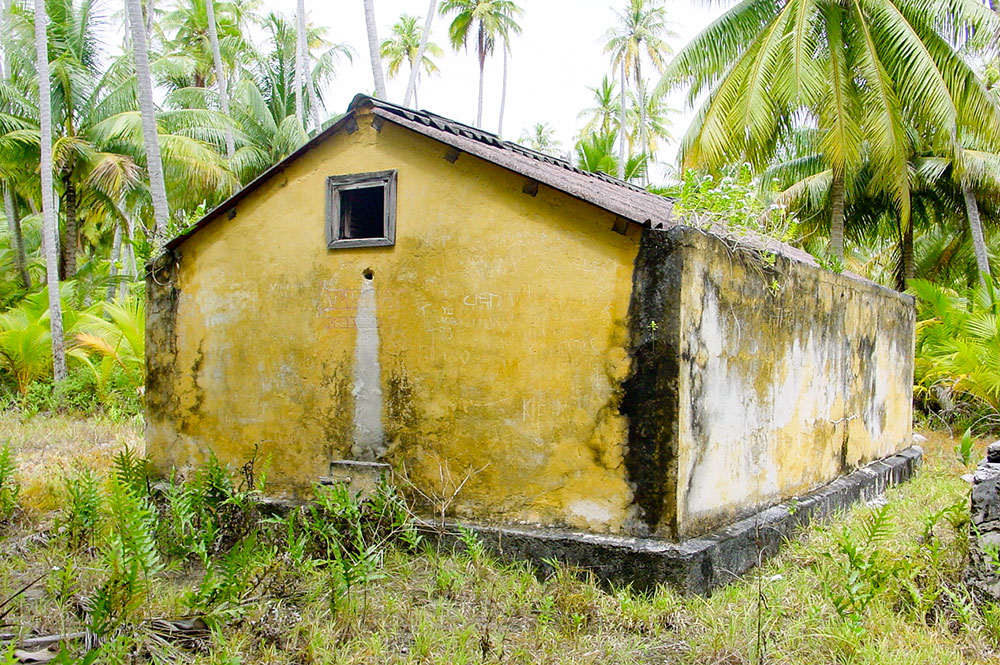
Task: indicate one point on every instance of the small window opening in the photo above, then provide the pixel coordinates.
(362, 213)
(361, 210)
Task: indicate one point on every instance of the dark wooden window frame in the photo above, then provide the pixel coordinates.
(336, 184)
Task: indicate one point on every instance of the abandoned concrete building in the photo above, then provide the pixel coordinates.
(545, 352)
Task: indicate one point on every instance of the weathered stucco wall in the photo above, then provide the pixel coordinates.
(501, 331)
(787, 376)
(513, 344)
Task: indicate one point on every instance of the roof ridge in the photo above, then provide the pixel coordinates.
(468, 131)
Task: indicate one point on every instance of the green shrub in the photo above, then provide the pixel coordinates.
(210, 514)
(347, 535)
(957, 368)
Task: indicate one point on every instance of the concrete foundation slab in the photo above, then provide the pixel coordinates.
(700, 564)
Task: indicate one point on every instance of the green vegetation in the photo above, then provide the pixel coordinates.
(868, 134)
(957, 371)
(199, 570)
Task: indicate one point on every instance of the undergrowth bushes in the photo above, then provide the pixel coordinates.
(957, 370)
(215, 525)
(201, 569)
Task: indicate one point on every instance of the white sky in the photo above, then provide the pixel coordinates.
(558, 55)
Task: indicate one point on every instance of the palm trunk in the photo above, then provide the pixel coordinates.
(907, 263)
(481, 52)
(147, 110)
(503, 93)
(621, 125)
(300, 38)
(220, 75)
(976, 226)
(411, 85)
(49, 232)
(9, 203)
(306, 68)
(16, 237)
(373, 52)
(837, 216)
(68, 245)
(640, 95)
(128, 262)
(116, 253)
(147, 9)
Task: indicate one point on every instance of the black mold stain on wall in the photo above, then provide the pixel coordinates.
(162, 297)
(650, 398)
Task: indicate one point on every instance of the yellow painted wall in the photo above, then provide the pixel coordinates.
(502, 325)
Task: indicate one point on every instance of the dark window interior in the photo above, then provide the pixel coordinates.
(362, 212)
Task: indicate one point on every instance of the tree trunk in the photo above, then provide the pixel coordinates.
(16, 237)
(220, 75)
(68, 245)
(307, 68)
(976, 226)
(128, 259)
(49, 232)
(640, 95)
(300, 38)
(503, 93)
(481, 53)
(147, 110)
(837, 216)
(116, 252)
(411, 85)
(147, 14)
(907, 267)
(373, 51)
(9, 202)
(621, 125)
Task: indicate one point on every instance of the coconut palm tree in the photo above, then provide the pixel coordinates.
(858, 71)
(9, 201)
(315, 105)
(488, 19)
(603, 116)
(504, 32)
(154, 162)
(404, 45)
(48, 198)
(541, 137)
(220, 73)
(273, 66)
(641, 31)
(596, 153)
(188, 58)
(373, 49)
(648, 120)
(425, 35)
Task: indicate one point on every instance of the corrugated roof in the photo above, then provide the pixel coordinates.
(624, 199)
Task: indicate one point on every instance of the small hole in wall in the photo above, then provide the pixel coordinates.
(367, 272)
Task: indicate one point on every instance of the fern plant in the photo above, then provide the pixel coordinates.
(864, 571)
(81, 514)
(131, 559)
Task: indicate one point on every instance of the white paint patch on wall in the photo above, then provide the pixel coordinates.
(369, 435)
(591, 514)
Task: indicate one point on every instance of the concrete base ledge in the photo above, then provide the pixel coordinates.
(700, 564)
